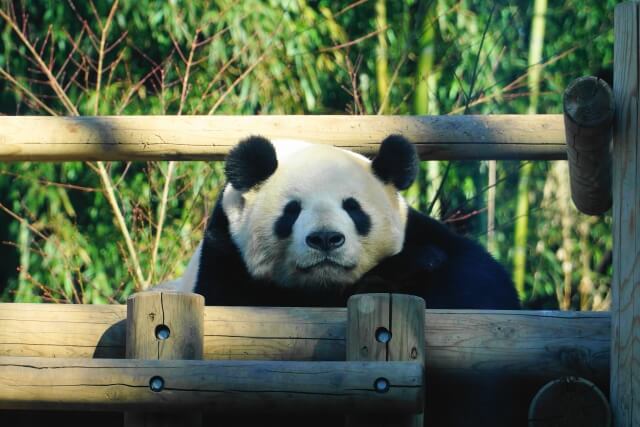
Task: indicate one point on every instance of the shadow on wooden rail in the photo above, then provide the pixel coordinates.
(146, 138)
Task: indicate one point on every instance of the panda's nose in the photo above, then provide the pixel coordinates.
(325, 240)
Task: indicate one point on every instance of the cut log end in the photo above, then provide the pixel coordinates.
(569, 401)
(589, 102)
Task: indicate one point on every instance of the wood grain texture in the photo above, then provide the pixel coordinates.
(625, 308)
(524, 344)
(217, 386)
(38, 138)
(588, 118)
(386, 327)
(164, 326)
(181, 313)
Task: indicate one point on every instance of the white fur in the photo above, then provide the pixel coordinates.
(320, 177)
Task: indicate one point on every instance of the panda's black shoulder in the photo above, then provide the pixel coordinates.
(448, 270)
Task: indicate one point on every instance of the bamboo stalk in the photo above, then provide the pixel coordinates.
(382, 55)
(522, 211)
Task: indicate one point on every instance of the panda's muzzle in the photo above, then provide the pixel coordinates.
(325, 241)
(324, 262)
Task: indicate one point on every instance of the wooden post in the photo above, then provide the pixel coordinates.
(385, 327)
(588, 120)
(164, 326)
(625, 304)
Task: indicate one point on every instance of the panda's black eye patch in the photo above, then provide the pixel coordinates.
(360, 218)
(284, 224)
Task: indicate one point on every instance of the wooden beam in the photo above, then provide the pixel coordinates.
(522, 344)
(39, 138)
(625, 304)
(215, 386)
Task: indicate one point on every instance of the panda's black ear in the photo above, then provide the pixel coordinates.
(250, 162)
(396, 162)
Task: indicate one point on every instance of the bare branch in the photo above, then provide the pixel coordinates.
(354, 41)
(113, 202)
(101, 52)
(161, 218)
(43, 67)
(27, 92)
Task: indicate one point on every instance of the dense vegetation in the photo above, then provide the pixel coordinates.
(94, 232)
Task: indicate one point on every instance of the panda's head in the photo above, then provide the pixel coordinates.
(306, 215)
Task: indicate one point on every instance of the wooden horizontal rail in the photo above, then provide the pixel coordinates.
(217, 386)
(522, 344)
(38, 138)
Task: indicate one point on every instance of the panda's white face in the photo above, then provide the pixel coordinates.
(321, 219)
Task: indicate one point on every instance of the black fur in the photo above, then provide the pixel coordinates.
(284, 225)
(360, 218)
(250, 162)
(396, 162)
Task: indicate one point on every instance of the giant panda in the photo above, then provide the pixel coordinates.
(302, 224)
(308, 225)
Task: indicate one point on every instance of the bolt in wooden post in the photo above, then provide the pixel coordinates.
(164, 326)
(588, 119)
(386, 327)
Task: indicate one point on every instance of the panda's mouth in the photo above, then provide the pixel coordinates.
(326, 262)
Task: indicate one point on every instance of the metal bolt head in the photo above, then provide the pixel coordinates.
(381, 385)
(383, 335)
(156, 384)
(162, 332)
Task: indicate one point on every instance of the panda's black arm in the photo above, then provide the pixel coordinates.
(448, 270)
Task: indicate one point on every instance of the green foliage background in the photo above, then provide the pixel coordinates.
(61, 242)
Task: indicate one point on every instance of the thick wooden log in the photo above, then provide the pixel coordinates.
(570, 402)
(217, 386)
(164, 326)
(385, 327)
(625, 303)
(524, 344)
(588, 119)
(38, 138)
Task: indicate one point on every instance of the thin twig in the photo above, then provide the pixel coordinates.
(161, 218)
(27, 92)
(237, 82)
(349, 7)
(43, 67)
(189, 62)
(101, 53)
(111, 198)
(391, 83)
(354, 41)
